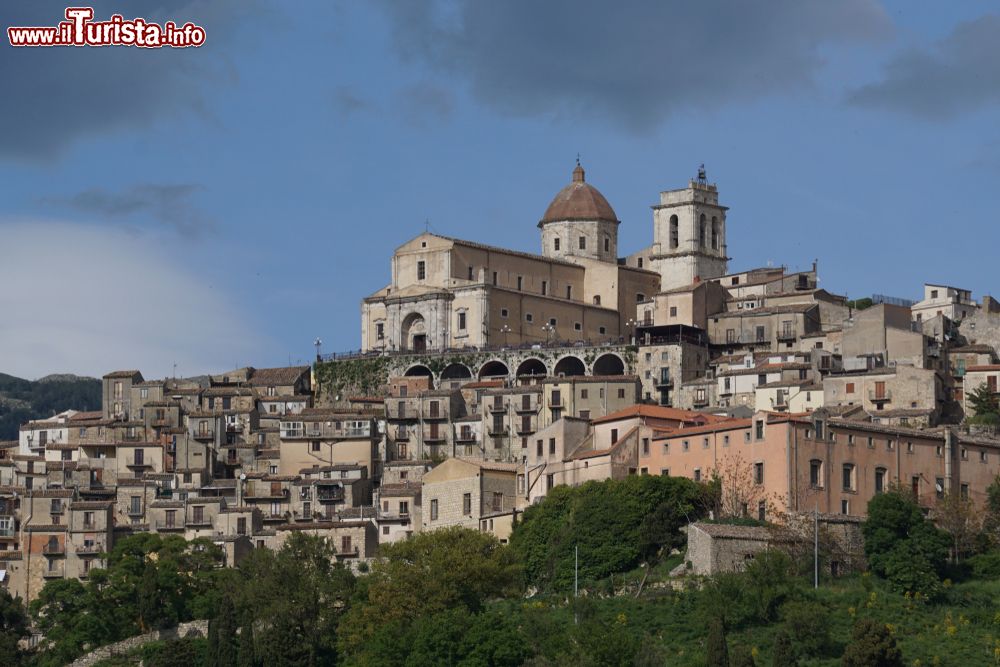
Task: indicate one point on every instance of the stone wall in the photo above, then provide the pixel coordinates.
(184, 630)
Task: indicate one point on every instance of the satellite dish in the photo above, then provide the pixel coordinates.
(243, 476)
(938, 488)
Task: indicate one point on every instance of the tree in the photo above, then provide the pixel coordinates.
(225, 649)
(872, 645)
(901, 545)
(958, 517)
(784, 655)
(451, 568)
(739, 493)
(150, 614)
(984, 405)
(13, 628)
(742, 657)
(247, 651)
(295, 598)
(991, 519)
(717, 649)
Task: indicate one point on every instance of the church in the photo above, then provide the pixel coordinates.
(448, 293)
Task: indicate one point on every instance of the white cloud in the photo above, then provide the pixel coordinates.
(88, 300)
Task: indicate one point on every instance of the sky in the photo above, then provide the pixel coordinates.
(183, 211)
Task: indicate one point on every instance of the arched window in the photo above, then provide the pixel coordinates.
(715, 233)
(673, 232)
(597, 299)
(702, 224)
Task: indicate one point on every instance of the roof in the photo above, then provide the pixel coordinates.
(579, 201)
(591, 378)
(122, 374)
(490, 465)
(405, 489)
(986, 367)
(82, 416)
(980, 348)
(733, 532)
(724, 425)
(656, 412)
(288, 375)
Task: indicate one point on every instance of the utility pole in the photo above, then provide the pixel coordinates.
(816, 546)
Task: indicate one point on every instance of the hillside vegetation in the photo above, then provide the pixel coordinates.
(22, 400)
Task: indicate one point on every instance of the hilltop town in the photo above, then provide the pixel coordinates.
(488, 377)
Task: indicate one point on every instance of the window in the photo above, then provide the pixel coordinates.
(497, 501)
(504, 312)
(467, 504)
(583, 243)
(674, 235)
(470, 273)
(673, 311)
(198, 514)
(528, 317)
(761, 510)
(421, 270)
(494, 278)
(434, 509)
(816, 473)
(602, 330)
(879, 480)
(640, 297)
(404, 507)
(850, 440)
(621, 393)
(597, 299)
(871, 442)
(569, 291)
(614, 436)
(845, 507)
(982, 457)
(345, 544)
(639, 263)
(545, 287)
(520, 282)
(645, 446)
(848, 477)
(850, 388)
(684, 445)
(704, 443)
(964, 491)
(552, 446)
(461, 321)
(552, 321)
(315, 445)
(965, 454)
(607, 246)
(934, 294)
(555, 244)
(538, 448)
(725, 438)
(577, 326)
(697, 474)
(758, 473)
(759, 429)
(939, 487)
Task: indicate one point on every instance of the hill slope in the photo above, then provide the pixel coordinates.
(21, 400)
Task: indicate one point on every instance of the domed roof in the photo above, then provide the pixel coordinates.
(579, 201)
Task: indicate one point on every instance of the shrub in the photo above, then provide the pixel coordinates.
(872, 645)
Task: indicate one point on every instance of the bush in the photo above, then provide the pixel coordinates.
(872, 645)
(985, 566)
(807, 626)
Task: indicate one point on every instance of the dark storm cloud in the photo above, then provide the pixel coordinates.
(633, 62)
(961, 73)
(55, 96)
(167, 205)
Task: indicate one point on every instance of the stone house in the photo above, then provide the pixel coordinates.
(460, 492)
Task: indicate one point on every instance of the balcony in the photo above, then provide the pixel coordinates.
(497, 407)
(700, 402)
(131, 437)
(350, 552)
(54, 573)
(556, 402)
(91, 550)
(522, 430)
(435, 416)
(196, 522)
(664, 379)
(402, 435)
(465, 437)
(787, 335)
(164, 526)
(329, 494)
(498, 432)
(7, 531)
(138, 463)
(162, 423)
(136, 511)
(435, 437)
(54, 549)
(880, 397)
(206, 434)
(266, 494)
(527, 409)
(278, 516)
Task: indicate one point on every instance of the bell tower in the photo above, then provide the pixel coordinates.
(689, 234)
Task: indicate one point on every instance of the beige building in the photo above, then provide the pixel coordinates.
(460, 492)
(913, 395)
(587, 397)
(952, 302)
(448, 293)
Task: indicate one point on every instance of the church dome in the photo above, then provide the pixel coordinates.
(579, 201)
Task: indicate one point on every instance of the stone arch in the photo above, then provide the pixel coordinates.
(456, 371)
(715, 232)
(609, 364)
(418, 370)
(413, 333)
(532, 367)
(570, 366)
(702, 230)
(494, 368)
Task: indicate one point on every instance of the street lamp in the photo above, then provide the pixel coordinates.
(505, 330)
(548, 329)
(631, 328)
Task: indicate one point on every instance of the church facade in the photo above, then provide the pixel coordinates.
(448, 293)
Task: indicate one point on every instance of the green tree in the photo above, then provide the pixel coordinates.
(295, 597)
(717, 649)
(742, 656)
(783, 654)
(247, 650)
(985, 407)
(807, 625)
(616, 524)
(901, 545)
(452, 568)
(150, 614)
(872, 645)
(225, 650)
(13, 628)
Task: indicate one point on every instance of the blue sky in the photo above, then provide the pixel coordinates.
(226, 205)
